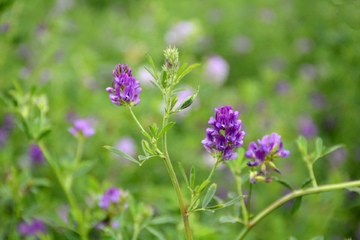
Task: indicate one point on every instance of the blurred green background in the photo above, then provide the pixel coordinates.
(288, 66)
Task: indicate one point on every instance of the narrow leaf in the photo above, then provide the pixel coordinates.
(166, 128)
(307, 182)
(152, 64)
(185, 72)
(43, 134)
(145, 148)
(182, 170)
(319, 146)
(228, 219)
(117, 151)
(162, 78)
(192, 177)
(188, 101)
(209, 195)
(156, 233)
(216, 207)
(177, 90)
(151, 72)
(296, 205)
(181, 70)
(235, 200)
(284, 183)
(162, 220)
(146, 135)
(331, 149)
(353, 189)
(156, 85)
(302, 144)
(203, 185)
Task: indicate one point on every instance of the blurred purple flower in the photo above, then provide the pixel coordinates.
(278, 63)
(180, 33)
(308, 71)
(267, 15)
(242, 44)
(125, 89)
(82, 127)
(5, 27)
(111, 195)
(338, 156)
(307, 127)
(32, 228)
(214, 15)
(36, 155)
(5, 128)
(216, 69)
(317, 99)
(303, 45)
(282, 87)
(71, 116)
(144, 77)
(126, 144)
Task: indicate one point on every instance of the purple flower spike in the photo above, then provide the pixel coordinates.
(83, 127)
(111, 195)
(36, 155)
(125, 89)
(226, 134)
(32, 228)
(270, 148)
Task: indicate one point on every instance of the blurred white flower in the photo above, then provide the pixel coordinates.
(144, 76)
(267, 15)
(180, 33)
(303, 45)
(127, 145)
(308, 71)
(242, 44)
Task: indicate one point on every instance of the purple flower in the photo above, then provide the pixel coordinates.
(35, 154)
(32, 228)
(111, 195)
(282, 87)
(126, 144)
(125, 89)
(216, 69)
(82, 127)
(226, 134)
(5, 129)
(307, 127)
(269, 148)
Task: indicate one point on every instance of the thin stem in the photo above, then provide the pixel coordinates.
(172, 172)
(249, 200)
(123, 226)
(138, 123)
(136, 231)
(311, 173)
(295, 194)
(243, 206)
(80, 150)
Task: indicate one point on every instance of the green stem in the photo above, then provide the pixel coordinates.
(123, 226)
(311, 173)
(138, 123)
(79, 151)
(249, 201)
(243, 206)
(172, 172)
(136, 231)
(295, 194)
(70, 197)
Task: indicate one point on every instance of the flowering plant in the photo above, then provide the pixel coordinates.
(111, 212)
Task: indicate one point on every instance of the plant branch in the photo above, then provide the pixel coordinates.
(295, 194)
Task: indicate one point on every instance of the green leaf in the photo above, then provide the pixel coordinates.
(117, 151)
(185, 72)
(203, 185)
(43, 182)
(181, 70)
(302, 144)
(177, 90)
(156, 85)
(284, 183)
(296, 205)
(192, 177)
(354, 189)
(228, 219)
(146, 135)
(216, 207)
(146, 148)
(43, 134)
(152, 64)
(331, 149)
(156, 233)
(307, 182)
(166, 128)
(84, 167)
(173, 102)
(235, 200)
(182, 170)
(162, 220)
(162, 78)
(188, 101)
(319, 146)
(238, 161)
(209, 195)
